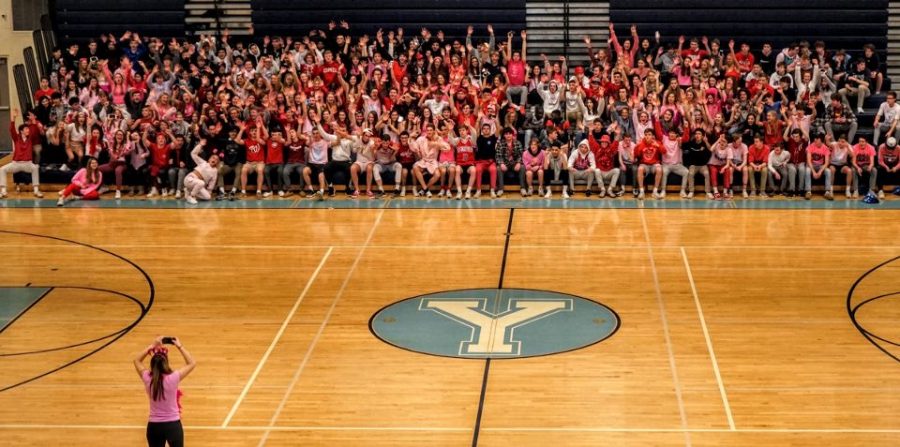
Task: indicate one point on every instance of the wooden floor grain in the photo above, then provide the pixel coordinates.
(772, 287)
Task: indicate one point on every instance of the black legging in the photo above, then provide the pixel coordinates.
(159, 433)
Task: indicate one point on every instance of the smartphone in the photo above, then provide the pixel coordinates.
(168, 340)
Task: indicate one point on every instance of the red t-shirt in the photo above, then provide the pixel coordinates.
(818, 154)
(274, 152)
(405, 155)
(329, 71)
(255, 151)
(758, 154)
(515, 70)
(160, 155)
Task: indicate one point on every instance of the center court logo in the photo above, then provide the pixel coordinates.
(494, 323)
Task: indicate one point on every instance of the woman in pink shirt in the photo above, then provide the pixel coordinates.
(84, 185)
(533, 159)
(161, 384)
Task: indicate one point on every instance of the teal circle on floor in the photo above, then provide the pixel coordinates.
(494, 323)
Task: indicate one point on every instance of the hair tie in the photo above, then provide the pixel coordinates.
(159, 350)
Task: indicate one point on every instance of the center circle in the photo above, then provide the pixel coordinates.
(494, 323)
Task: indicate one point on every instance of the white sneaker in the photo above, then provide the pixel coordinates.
(763, 195)
(499, 193)
(690, 195)
(856, 194)
(468, 194)
(153, 192)
(530, 191)
(415, 192)
(428, 194)
(267, 194)
(280, 193)
(548, 194)
(118, 195)
(402, 191)
(493, 194)
(459, 195)
(860, 111)
(61, 202)
(38, 193)
(477, 194)
(165, 192)
(102, 190)
(602, 192)
(441, 194)
(641, 195)
(848, 193)
(683, 194)
(191, 200)
(565, 194)
(709, 196)
(524, 192)
(178, 194)
(881, 194)
(662, 194)
(64, 168)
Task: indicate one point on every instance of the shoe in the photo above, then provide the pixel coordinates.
(152, 193)
(848, 193)
(330, 190)
(662, 194)
(118, 195)
(441, 194)
(370, 194)
(881, 194)
(477, 194)
(178, 194)
(468, 194)
(829, 195)
(763, 195)
(859, 111)
(61, 202)
(499, 193)
(524, 192)
(531, 191)
(355, 194)
(64, 168)
(220, 197)
(231, 196)
(493, 194)
(280, 193)
(640, 195)
(602, 193)
(745, 194)
(690, 195)
(728, 195)
(587, 193)
(267, 194)
(717, 196)
(415, 192)
(634, 192)
(38, 194)
(620, 193)
(101, 191)
(808, 195)
(710, 196)
(683, 194)
(855, 194)
(565, 194)
(165, 193)
(191, 200)
(548, 194)
(428, 194)
(319, 196)
(459, 195)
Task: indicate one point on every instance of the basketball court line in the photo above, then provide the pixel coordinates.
(709, 347)
(278, 335)
(479, 246)
(289, 428)
(665, 326)
(318, 335)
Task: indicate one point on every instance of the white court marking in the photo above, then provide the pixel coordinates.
(278, 335)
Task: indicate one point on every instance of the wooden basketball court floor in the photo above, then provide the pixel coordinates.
(734, 326)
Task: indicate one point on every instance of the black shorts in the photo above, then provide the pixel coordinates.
(315, 170)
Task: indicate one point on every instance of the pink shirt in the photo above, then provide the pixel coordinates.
(818, 153)
(532, 161)
(165, 409)
(81, 180)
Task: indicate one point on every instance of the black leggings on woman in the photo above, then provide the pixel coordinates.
(158, 433)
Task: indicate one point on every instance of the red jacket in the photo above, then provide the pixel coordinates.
(21, 146)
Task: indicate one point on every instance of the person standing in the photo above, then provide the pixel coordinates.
(161, 385)
(22, 157)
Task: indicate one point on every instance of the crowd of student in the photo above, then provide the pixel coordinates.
(426, 114)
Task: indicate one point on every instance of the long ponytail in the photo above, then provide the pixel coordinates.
(159, 368)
